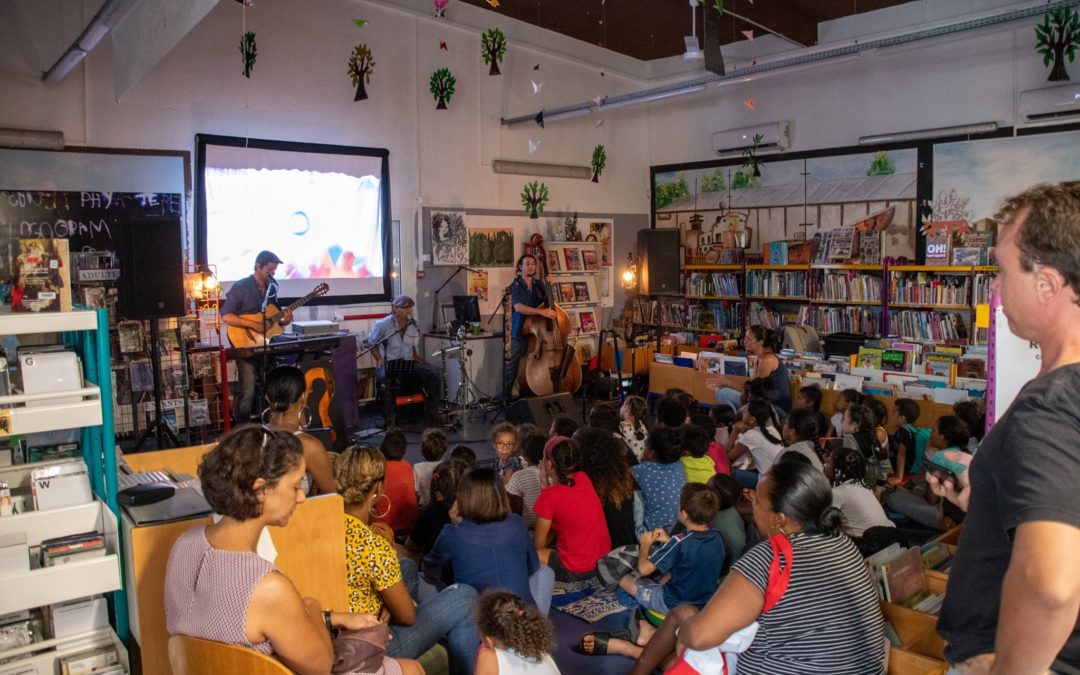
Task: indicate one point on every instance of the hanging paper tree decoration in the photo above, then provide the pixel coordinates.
(1057, 38)
(442, 87)
(599, 161)
(750, 158)
(440, 7)
(534, 197)
(247, 49)
(493, 48)
(361, 65)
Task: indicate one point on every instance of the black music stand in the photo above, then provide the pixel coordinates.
(396, 374)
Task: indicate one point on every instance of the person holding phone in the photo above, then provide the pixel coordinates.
(1014, 594)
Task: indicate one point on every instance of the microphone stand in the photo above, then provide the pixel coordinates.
(435, 306)
(264, 358)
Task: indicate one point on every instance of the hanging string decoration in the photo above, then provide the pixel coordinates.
(248, 50)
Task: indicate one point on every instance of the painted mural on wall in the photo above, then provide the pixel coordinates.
(724, 210)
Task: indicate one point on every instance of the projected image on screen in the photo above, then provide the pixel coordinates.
(321, 212)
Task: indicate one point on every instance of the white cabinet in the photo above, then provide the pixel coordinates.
(87, 408)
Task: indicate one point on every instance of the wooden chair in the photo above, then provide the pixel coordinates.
(195, 656)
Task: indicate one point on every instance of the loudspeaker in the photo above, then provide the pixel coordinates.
(540, 410)
(658, 261)
(151, 269)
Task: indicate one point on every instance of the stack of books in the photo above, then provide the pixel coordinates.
(901, 579)
(71, 548)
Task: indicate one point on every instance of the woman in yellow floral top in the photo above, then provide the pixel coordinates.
(381, 584)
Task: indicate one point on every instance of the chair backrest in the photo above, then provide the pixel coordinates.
(195, 656)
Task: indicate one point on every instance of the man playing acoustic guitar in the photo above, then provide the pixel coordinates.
(244, 299)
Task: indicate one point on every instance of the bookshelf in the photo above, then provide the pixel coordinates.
(915, 302)
(88, 408)
(577, 286)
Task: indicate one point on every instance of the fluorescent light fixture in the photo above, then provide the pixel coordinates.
(924, 134)
(64, 65)
(98, 28)
(37, 139)
(541, 169)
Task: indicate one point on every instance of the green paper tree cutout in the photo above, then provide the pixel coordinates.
(247, 49)
(750, 158)
(442, 87)
(599, 161)
(534, 197)
(881, 166)
(493, 47)
(1057, 38)
(361, 65)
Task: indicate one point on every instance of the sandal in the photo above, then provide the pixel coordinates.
(600, 641)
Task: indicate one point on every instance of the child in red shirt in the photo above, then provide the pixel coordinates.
(397, 507)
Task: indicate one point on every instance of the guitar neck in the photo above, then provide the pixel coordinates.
(301, 301)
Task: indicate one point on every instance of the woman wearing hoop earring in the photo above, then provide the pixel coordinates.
(381, 584)
(286, 398)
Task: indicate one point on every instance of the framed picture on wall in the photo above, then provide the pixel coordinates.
(581, 292)
(573, 259)
(554, 260)
(587, 321)
(588, 259)
(566, 292)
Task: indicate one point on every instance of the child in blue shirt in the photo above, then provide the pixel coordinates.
(690, 562)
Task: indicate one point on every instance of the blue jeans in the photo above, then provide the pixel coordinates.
(746, 479)
(730, 397)
(246, 370)
(510, 368)
(648, 595)
(447, 614)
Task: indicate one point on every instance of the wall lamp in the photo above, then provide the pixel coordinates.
(924, 134)
(510, 166)
(629, 275)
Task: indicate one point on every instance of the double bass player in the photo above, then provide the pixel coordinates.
(526, 296)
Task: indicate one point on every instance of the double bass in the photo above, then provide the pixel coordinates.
(551, 363)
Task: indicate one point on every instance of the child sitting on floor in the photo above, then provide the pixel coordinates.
(516, 638)
(433, 446)
(695, 442)
(399, 491)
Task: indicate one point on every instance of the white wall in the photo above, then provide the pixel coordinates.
(299, 91)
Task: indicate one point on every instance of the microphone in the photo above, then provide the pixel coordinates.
(271, 291)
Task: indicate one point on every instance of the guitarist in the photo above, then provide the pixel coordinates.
(246, 297)
(399, 333)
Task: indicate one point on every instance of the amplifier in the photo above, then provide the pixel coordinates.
(314, 327)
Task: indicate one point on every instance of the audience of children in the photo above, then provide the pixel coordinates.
(381, 584)
(286, 399)
(800, 434)
(695, 444)
(723, 417)
(517, 639)
(846, 471)
(465, 454)
(487, 546)
(728, 522)
(433, 446)
(845, 398)
(504, 439)
(570, 533)
(563, 425)
(909, 441)
(973, 415)
(859, 432)
(524, 486)
(809, 398)
(436, 515)
(660, 479)
(399, 491)
(714, 451)
(634, 414)
(669, 412)
(918, 503)
(605, 465)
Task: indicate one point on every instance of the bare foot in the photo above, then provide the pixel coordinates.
(614, 646)
(645, 632)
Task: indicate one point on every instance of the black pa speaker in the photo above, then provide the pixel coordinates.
(540, 410)
(151, 270)
(658, 261)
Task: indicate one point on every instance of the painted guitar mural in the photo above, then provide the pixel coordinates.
(249, 337)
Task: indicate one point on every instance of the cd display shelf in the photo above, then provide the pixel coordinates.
(916, 302)
(88, 408)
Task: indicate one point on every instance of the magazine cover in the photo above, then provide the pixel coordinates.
(711, 362)
(43, 279)
(130, 335)
(573, 260)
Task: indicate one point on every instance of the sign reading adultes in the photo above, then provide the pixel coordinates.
(89, 220)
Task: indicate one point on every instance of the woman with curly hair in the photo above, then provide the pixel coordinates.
(380, 584)
(605, 465)
(517, 638)
(216, 585)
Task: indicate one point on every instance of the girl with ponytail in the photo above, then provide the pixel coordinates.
(755, 443)
(827, 618)
(570, 532)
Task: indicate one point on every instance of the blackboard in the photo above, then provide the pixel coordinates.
(88, 220)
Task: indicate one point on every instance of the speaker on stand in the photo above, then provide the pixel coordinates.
(151, 288)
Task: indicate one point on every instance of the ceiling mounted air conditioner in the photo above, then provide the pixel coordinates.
(1052, 103)
(774, 136)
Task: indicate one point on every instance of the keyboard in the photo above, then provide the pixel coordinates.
(126, 480)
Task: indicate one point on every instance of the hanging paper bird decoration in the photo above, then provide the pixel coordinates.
(537, 86)
(248, 51)
(440, 7)
(360, 23)
(533, 145)
(442, 45)
(539, 119)
(493, 3)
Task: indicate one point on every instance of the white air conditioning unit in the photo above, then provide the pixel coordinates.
(1052, 103)
(774, 136)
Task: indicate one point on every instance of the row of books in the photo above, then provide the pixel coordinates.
(722, 364)
(900, 574)
(825, 320)
(927, 325)
(848, 287)
(767, 283)
(714, 317)
(921, 288)
(715, 284)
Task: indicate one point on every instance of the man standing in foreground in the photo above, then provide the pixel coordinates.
(1014, 590)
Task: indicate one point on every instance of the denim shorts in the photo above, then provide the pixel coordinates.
(650, 595)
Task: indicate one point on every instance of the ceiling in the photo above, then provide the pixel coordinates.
(654, 29)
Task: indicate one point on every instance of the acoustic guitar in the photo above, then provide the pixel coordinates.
(249, 337)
